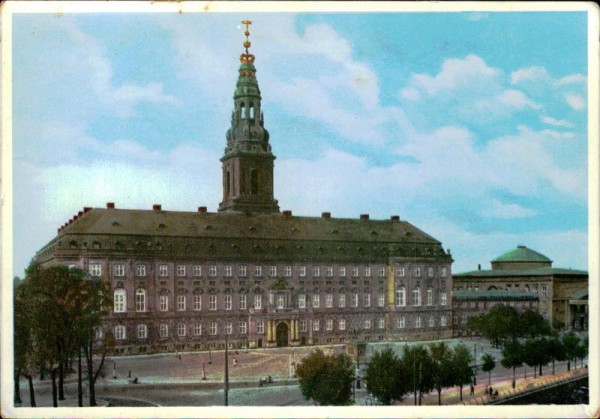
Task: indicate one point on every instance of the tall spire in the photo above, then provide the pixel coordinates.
(247, 159)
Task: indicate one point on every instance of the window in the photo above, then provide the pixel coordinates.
(119, 301)
(342, 324)
(418, 322)
(95, 269)
(120, 332)
(355, 300)
(342, 300)
(443, 298)
(164, 330)
(315, 324)
(367, 300)
(301, 300)
(142, 331)
(382, 272)
(228, 301)
(181, 329)
(401, 322)
(119, 269)
(418, 271)
(243, 328)
(212, 302)
(140, 300)
(212, 326)
(257, 301)
(329, 300)
(429, 296)
(431, 321)
(444, 272)
(140, 270)
(163, 270)
(430, 272)
(197, 301)
(302, 325)
(197, 270)
(180, 270)
(302, 271)
(400, 297)
(287, 271)
(329, 324)
(416, 297)
(228, 271)
(329, 271)
(197, 329)
(181, 303)
(242, 271)
(212, 270)
(544, 290)
(381, 300)
(368, 271)
(367, 324)
(342, 271)
(260, 327)
(316, 301)
(443, 321)
(381, 323)
(258, 271)
(228, 328)
(163, 302)
(400, 271)
(280, 301)
(242, 301)
(272, 270)
(316, 271)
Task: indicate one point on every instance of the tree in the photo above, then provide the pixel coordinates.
(512, 357)
(570, 342)
(556, 351)
(385, 378)
(463, 373)
(536, 353)
(418, 368)
(488, 364)
(22, 344)
(532, 324)
(498, 325)
(442, 367)
(326, 379)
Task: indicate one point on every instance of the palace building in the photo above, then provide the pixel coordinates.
(261, 277)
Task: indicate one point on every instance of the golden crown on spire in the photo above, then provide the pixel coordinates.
(247, 58)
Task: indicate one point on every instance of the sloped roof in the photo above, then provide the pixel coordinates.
(579, 295)
(522, 254)
(494, 295)
(548, 271)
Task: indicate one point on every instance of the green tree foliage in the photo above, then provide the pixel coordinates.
(512, 357)
(498, 325)
(463, 373)
(24, 355)
(556, 350)
(536, 353)
(532, 324)
(418, 368)
(570, 342)
(488, 364)
(442, 367)
(386, 378)
(326, 379)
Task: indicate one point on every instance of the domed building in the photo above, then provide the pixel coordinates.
(525, 279)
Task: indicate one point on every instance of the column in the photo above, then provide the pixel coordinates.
(296, 324)
(269, 334)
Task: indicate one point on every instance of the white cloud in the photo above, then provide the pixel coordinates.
(556, 122)
(575, 101)
(497, 209)
(534, 73)
(516, 99)
(571, 79)
(410, 93)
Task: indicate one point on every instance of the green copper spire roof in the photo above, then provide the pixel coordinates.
(522, 254)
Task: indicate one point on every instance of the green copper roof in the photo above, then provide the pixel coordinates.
(499, 273)
(494, 295)
(522, 254)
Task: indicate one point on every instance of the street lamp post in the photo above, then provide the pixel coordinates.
(226, 390)
(203, 372)
(415, 373)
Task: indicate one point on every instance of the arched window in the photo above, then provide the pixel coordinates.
(120, 301)
(140, 300)
(251, 111)
(242, 110)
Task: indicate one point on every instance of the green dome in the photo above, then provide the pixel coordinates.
(522, 254)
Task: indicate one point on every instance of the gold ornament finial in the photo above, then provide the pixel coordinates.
(247, 58)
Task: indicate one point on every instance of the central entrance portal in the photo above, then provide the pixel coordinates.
(282, 334)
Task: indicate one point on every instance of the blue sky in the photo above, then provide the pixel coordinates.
(472, 126)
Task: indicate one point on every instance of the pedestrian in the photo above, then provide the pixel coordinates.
(472, 390)
(234, 362)
(495, 393)
(491, 391)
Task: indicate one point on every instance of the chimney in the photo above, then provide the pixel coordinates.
(110, 205)
(80, 213)
(287, 213)
(364, 216)
(86, 209)
(326, 215)
(157, 207)
(75, 218)
(71, 221)
(202, 210)
(479, 266)
(395, 218)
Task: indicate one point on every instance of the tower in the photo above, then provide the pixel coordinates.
(247, 161)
